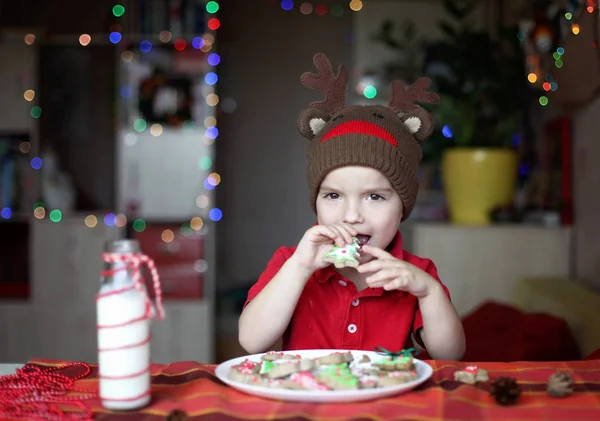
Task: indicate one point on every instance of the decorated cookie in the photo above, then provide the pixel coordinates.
(471, 375)
(336, 358)
(344, 256)
(245, 372)
(274, 356)
(264, 382)
(266, 366)
(338, 377)
(307, 381)
(368, 382)
(290, 385)
(395, 378)
(404, 362)
(284, 369)
(365, 369)
(307, 364)
(395, 361)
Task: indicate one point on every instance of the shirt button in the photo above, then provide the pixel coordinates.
(352, 328)
(342, 283)
(355, 302)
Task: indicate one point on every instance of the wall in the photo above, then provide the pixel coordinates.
(18, 73)
(77, 99)
(579, 86)
(260, 155)
(86, 135)
(586, 126)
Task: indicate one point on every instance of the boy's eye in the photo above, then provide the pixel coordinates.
(375, 197)
(332, 196)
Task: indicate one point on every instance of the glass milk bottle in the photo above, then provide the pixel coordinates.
(123, 319)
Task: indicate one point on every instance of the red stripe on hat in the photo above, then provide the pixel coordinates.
(360, 127)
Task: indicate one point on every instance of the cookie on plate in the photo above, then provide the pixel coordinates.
(245, 372)
(307, 381)
(284, 369)
(395, 378)
(336, 358)
(403, 363)
(275, 355)
(338, 377)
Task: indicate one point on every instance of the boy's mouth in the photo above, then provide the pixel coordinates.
(362, 239)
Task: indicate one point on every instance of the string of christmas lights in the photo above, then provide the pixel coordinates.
(205, 43)
(320, 9)
(539, 37)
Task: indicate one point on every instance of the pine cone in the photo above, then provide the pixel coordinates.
(505, 390)
(177, 415)
(559, 385)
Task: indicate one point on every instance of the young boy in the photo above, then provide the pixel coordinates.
(362, 177)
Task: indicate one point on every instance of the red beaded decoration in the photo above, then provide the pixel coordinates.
(37, 394)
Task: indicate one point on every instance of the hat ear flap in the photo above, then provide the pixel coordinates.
(311, 122)
(419, 122)
(404, 102)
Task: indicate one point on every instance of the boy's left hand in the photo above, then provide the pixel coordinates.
(392, 273)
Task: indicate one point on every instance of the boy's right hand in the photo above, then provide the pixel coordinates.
(317, 241)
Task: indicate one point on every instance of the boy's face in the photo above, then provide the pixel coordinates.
(364, 198)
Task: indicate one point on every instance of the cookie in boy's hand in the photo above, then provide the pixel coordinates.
(345, 256)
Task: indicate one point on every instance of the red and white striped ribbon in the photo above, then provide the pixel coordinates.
(135, 262)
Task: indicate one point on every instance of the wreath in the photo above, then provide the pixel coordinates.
(165, 100)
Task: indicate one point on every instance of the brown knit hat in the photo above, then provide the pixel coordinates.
(384, 138)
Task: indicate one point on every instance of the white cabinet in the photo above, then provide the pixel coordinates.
(59, 321)
(484, 263)
(163, 166)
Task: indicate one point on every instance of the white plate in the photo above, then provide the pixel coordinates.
(424, 371)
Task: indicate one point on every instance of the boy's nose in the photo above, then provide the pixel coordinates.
(352, 215)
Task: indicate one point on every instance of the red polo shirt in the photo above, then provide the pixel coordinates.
(332, 314)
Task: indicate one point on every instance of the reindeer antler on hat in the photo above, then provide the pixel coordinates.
(404, 100)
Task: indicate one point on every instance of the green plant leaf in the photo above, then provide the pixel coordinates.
(447, 29)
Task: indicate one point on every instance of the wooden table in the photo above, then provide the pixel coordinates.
(193, 388)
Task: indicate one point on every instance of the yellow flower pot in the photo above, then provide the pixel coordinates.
(477, 180)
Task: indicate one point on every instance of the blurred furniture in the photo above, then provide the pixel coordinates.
(498, 332)
(565, 298)
(59, 321)
(478, 264)
(153, 167)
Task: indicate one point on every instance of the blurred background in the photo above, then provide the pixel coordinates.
(174, 122)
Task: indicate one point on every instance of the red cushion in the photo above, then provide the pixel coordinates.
(594, 355)
(500, 332)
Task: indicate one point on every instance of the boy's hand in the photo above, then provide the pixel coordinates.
(318, 241)
(391, 273)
